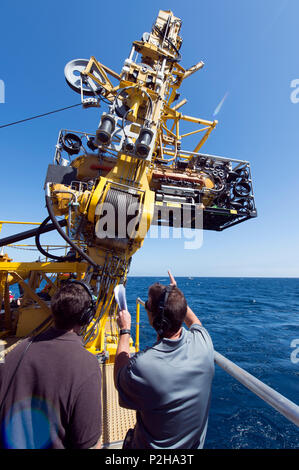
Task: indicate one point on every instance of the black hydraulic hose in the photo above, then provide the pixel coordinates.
(29, 233)
(65, 236)
(158, 30)
(40, 248)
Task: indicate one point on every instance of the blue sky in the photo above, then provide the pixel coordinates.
(250, 50)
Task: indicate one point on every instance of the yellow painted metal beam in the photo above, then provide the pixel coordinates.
(15, 222)
(205, 137)
(137, 326)
(44, 267)
(199, 120)
(195, 132)
(21, 223)
(31, 293)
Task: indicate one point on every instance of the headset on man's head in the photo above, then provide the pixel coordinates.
(164, 322)
(87, 315)
(163, 300)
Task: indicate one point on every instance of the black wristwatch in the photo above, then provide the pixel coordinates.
(124, 332)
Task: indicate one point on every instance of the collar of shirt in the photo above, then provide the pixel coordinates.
(65, 335)
(168, 345)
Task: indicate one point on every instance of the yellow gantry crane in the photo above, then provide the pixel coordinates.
(104, 190)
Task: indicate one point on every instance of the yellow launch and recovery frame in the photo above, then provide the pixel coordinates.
(148, 90)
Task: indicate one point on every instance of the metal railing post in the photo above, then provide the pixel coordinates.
(137, 325)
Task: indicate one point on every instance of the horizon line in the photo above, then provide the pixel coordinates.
(219, 277)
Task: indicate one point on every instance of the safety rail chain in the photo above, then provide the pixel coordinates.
(277, 401)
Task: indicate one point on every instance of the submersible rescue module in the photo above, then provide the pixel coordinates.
(104, 190)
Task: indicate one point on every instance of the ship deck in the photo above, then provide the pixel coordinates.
(116, 420)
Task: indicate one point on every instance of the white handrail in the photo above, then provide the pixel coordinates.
(280, 403)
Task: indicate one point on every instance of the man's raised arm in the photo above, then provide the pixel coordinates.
(191, 318)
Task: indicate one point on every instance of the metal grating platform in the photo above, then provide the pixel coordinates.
(116, 420)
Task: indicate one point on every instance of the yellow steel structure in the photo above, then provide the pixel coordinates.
(147, 91)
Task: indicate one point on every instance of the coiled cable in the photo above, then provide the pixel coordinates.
(81, 253)
(41, 249)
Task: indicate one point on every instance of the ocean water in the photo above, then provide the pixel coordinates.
(252, 322)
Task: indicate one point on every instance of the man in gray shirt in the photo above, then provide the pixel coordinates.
(169, 384)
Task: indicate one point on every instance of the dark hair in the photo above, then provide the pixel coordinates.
(68, 304)
(175, 309)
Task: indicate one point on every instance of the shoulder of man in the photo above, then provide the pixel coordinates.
(70, 348)
(202, 335)
(137, 365)
(137, 359)
(88, 359)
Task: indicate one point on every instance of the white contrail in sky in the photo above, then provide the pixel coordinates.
(220, 104)
(264, 33)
